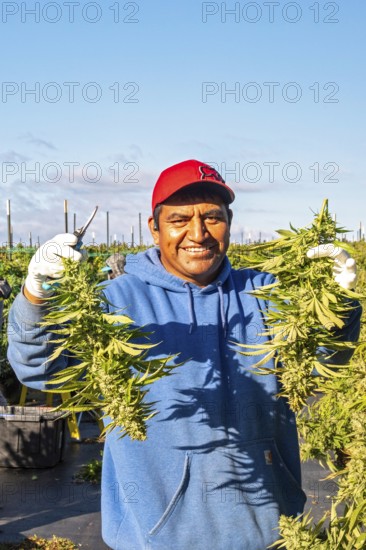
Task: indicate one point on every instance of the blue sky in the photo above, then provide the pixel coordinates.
(271, 93)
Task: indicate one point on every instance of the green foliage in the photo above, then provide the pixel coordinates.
(113, 373)
(13, 269)
(91, 472)
(39, 543)
(299, 534)
(310, 308)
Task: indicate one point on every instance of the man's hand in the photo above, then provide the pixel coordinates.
(344, 270)
(47, 264)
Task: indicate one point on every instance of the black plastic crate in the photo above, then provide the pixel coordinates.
(31, 437)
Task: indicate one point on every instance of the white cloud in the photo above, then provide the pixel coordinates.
(13, 156)
(38, 142)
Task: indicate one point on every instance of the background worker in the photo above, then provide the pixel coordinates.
(221, 461)
(5, 291)
(115, 265)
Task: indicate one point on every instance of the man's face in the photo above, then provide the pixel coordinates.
(193, 237)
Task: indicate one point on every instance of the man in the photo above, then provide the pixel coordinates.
(221, 461)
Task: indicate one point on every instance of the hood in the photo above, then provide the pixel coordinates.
(148, 268)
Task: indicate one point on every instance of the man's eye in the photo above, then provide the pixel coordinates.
(213, 219)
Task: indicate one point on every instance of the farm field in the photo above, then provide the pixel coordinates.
(321, 492)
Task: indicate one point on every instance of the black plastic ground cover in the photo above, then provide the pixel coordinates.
(49, 502)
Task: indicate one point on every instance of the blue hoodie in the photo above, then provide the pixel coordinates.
(221, 461)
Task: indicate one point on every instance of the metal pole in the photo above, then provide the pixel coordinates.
(8, 216)
(30, 239)
(140, 229)
(132, 237)
(107, 229)
(66, 220)
(74, 221)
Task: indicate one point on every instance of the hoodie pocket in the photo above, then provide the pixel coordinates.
(229, 497)
(175, 499)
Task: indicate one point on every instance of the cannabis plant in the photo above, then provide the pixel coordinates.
(303, 328)
(108, 371)
(309, 308)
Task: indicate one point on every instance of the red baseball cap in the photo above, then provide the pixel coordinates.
(186, 173)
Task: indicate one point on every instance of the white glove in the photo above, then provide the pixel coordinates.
(47, 263)
(344, 270)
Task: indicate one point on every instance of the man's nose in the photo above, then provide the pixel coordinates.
(197, 230)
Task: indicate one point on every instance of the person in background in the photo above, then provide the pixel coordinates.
(115, 265)
(221, 460)
(5, 291)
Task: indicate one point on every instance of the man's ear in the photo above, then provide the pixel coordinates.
(153, 230)
(230, 215)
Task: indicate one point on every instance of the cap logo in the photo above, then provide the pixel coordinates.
(211, 173)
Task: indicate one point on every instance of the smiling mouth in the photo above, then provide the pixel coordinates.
(198, 249)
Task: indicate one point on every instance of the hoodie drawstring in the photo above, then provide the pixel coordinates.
(222, 306)
(190, 306)
(191, 309)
